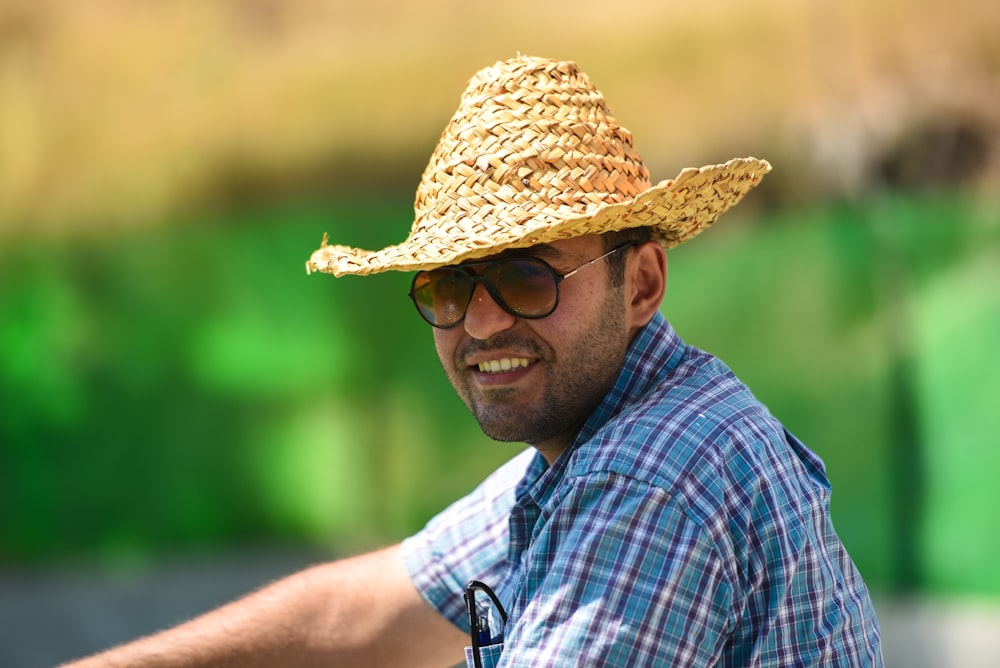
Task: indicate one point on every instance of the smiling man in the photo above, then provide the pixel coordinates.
(536, 379)
(661, 517)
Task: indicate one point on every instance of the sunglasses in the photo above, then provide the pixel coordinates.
(526, 287)
(480, 615)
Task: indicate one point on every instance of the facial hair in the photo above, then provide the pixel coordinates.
(574, 383)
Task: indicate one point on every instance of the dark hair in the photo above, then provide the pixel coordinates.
(616, 262)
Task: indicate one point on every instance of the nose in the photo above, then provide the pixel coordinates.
(484, 317)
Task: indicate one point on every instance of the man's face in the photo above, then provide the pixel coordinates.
(537, 381)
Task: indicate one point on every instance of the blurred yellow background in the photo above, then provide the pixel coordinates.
(121, 113)
(179, 402)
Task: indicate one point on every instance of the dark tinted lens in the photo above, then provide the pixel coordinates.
(442, 295)
(527, 286)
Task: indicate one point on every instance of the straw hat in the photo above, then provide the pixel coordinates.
(533, 155)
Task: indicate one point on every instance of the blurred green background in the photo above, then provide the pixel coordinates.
(171, 379)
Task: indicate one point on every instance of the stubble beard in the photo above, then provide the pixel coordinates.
(573, 387)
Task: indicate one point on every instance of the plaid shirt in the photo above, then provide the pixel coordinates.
(684, 526)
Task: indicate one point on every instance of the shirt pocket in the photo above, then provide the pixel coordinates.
(490, 655)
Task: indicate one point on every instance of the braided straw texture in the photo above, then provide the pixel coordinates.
(533, 155)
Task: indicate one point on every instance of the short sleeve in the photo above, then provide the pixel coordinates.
(620, 575)
(468, 540)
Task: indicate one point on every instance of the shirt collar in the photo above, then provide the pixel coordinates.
(653, 354)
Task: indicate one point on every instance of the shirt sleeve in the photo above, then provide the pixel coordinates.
(620, 575)
(468, 540)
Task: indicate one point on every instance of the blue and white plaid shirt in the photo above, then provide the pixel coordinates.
(684, 526)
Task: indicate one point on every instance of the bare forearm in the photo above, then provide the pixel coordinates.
(362, 611)
(273, 623)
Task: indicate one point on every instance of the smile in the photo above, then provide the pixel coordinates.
(503, 364)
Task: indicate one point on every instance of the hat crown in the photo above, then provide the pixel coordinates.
(533, 156)
(531, 137)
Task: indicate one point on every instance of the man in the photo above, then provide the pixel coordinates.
(662, 517)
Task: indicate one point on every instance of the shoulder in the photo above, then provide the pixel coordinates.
(701, 436)
(683, 427)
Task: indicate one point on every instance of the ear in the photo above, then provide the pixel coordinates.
(645, 283)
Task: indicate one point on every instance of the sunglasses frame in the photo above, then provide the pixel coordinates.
(479, 632)
(495, 292)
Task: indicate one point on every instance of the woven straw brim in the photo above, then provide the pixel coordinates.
(676, 210)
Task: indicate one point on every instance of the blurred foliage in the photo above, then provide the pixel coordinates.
(170, 378)
(190, 386)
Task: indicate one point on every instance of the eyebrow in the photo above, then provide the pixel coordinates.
(541, 251)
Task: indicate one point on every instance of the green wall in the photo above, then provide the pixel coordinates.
(189, 386)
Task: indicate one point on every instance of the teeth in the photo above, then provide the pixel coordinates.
(504, 364)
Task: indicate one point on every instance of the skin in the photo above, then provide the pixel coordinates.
(362, 611)
(573, 355)
(339, 614)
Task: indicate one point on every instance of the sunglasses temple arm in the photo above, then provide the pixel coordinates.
(474, 629)
(597, 259)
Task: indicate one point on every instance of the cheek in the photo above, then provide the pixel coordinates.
(585, 300)
(445, 343)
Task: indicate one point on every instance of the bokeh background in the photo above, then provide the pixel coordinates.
(185, 414)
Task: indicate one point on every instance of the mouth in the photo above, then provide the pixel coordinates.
(503, 365)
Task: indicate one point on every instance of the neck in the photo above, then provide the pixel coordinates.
(552, 448)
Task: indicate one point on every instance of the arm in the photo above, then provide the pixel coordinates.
(362, 611)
